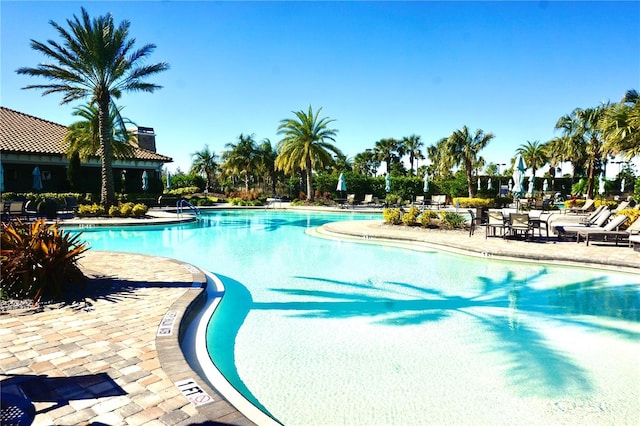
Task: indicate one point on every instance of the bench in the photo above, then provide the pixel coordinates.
(438, 201)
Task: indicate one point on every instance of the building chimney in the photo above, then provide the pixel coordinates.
(146, 138)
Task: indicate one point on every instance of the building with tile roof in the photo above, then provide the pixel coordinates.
(27, 141)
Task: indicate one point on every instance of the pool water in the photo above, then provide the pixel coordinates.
(321, 332)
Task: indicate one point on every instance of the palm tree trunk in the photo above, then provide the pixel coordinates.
(469, 183)
(107, 188)
(309, 183)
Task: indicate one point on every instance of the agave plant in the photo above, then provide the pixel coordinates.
(39, 260)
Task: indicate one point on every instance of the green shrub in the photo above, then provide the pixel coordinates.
(114, 211)
(454, 220)
(410, 217)
(427, 218)
(38, 260)
(473, 202)
(392, 216)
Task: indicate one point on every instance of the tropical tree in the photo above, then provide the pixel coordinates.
(96, 60)
(387, 150)
(582, 133)
(265, 163)
(205, 162)
(83, 137)
(412, 145)
(534, 154)
(366, 163)
(620, 125)
(462, 148)
(305, 145)
(241, 158)
(441, 164)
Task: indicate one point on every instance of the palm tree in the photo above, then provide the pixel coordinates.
(440, 163)
(387, 150)
(265, 163)
(534, 155)
(205, 162)
(83, 137)
(241, 158)
(582, 133)
(95, 60)
(304, 145)
(413, 145)
(366, 163)
(621, 126)
(462, 148)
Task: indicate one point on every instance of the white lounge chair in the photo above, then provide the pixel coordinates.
(609, 231)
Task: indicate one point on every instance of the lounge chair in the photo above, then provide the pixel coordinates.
(351, 200)
(623, 205)
(588, 205)
(14, 209)
(368, 200)
(495, 221)
(608, 232)
(571, 230)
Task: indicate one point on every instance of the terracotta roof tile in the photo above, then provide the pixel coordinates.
(23, 133)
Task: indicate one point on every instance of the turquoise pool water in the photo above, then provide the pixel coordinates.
(325, 332)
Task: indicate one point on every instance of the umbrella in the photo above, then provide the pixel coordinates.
(489, 185)
(37, 179)
(2, 177)
(145, 181)
(387, 183)
(601, 184)
(530, 190)
(342, 185)
(425, 188)
(621, 185)
(123, 180)
(518, 176)
(510, 186)
(168, 179)
(479, 184)
(545, 185)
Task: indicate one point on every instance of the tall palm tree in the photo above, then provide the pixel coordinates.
(413, 146)
(440, 163)
(205, 162)
(387, 150)
(265, 163)
(96, 60)
(305, 145)
(462, 148)
(582, 133)
(83, 137)
(241, 158)
(534, 154)
(621, 126)
(366, 163)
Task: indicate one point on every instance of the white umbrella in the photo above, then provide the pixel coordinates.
(479, 184)
(530, 190)
(622, 185)
(601, 184)
(489, 185)
(387, 183)
(145, 181)
(545, 185)
(425, 188)
(168, 179)
(518, 176)
(37, 179)
(342, 185)
(510, 187)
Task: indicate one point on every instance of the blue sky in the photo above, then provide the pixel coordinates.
(380, 69)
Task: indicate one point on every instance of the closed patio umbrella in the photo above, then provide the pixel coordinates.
(545, 185)
(530, 190)
(489, 184)
(518, 176)
(425, 187)
(168, 180)
(342, 185)
(145, 181)
(601, 184)
(479, 184)
(37, 179)
(387, 183)
(622, 185)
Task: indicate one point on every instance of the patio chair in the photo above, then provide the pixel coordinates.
(351, 200)
(495, 221)
(623, 205)
(588, 205)
(570, 230)
(368, 200)
(419, 202)
(14, 209)
(519, 224)
(608, 232)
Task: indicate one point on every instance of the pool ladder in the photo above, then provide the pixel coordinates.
(182, 203)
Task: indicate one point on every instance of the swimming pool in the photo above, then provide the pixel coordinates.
(327, 332)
